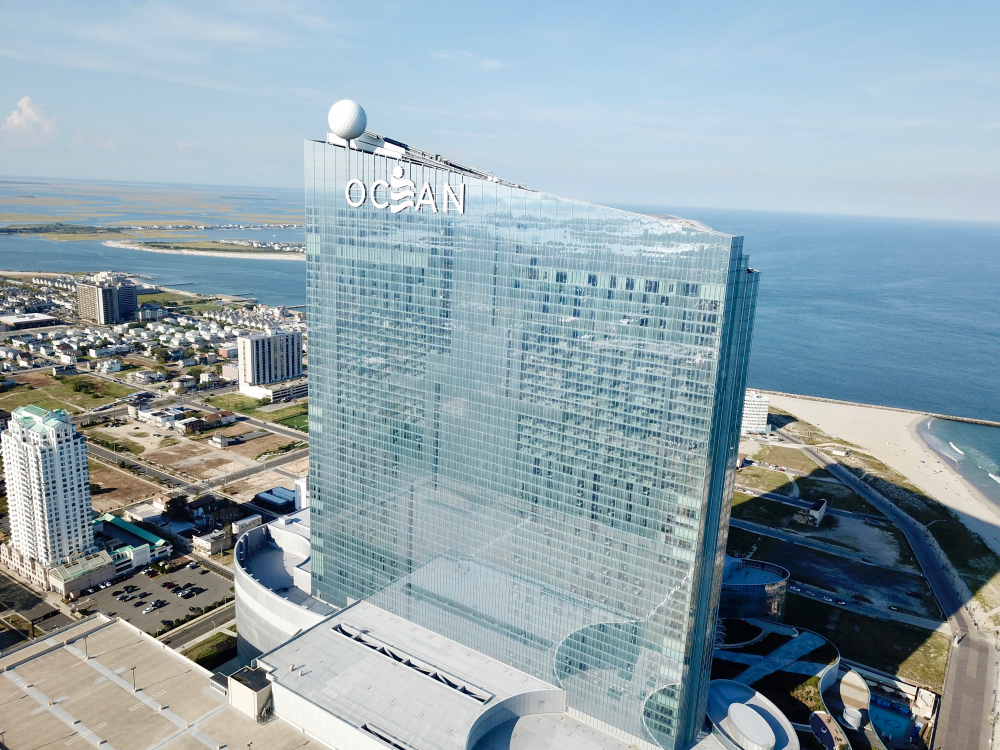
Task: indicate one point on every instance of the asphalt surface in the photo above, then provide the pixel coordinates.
(179, 636)
(217, 588)
(967, 703)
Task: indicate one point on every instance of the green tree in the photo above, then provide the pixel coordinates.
(176, 509)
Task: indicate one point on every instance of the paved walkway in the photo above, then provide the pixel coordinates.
(782, 657)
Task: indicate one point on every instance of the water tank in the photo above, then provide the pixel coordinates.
(852, 717)
(748, 728)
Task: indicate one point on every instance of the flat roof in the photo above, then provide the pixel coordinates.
(368, 666)
(51, 686)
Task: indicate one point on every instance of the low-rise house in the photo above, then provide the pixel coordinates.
(145, 377)
(83, 573)
(106, 366)
(213, 542)
(189, 426)
(220, 418)
(208, 379)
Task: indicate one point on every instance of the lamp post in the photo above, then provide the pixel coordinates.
(133, 679)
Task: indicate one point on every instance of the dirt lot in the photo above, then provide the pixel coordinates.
(254, 448)
(245, 489)
(199, 459)
(118, 488)
(299, 468)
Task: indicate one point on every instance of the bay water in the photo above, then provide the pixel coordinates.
(897, 312)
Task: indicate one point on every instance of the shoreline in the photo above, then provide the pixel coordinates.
(209, 253)
(893, 437)
(970, 420)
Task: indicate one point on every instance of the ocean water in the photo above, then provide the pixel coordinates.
(895, 312)
(972, 449)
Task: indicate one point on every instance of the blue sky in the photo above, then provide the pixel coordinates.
(886, 108)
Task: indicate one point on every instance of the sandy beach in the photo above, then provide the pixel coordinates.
(891, 436)
(264, 256)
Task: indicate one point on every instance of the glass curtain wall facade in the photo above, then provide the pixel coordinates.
(524, 421)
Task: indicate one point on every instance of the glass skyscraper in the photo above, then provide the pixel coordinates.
(524, 420)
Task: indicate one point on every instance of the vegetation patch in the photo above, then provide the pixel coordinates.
(114, 442)
(212, 652)
(300, 422)
(766, 480)
(237, 402)
(796, 695)
(913, 654)
(790, 458)
(837, 495)
(761, 510)
(281, 449)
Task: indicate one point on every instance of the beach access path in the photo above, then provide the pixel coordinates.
(965, 718)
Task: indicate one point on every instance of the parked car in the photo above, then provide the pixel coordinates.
(810, 593)
(139, 603)
(192, 565)
(796, 589)
(841, 602)
(828, 599)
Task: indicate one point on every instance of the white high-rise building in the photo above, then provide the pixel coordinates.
(755, 412)
(48, 486)
(269, 357)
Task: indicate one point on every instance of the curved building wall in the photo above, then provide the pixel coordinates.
(765, 599)
(264, 619)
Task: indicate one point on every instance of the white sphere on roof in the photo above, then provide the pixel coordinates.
(347, 119)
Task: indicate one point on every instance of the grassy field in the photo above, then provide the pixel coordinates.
(161, 298)
(741, 542)
(238, 403)
(915, 655)
(790, 458)
(115, 442)
(299, 422)
(78, 392)
(23, 396)
(212, 652)
(764, 480)
(761, 510)
(839, 496)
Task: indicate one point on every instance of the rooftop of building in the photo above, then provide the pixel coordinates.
(81, 567)
(741, 572)
(384, 146)
(37, 418)
(64, 696)
(133, 532)
(367, 666)
(273, 564)
(741, 713)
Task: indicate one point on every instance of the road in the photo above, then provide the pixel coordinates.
(964, 720)
(185, 634)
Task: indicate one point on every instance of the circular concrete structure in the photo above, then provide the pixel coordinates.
(749, 728)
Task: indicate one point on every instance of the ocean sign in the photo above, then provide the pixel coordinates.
(399, 193)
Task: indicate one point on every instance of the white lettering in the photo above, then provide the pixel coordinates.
(375, 186)
(399, 193)
(449, 194)
(426, 198)
(347, 192)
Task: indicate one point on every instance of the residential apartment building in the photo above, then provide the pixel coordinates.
(48, 486)
(269, 357)
(755, 406)
(106, 304)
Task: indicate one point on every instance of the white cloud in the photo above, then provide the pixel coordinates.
(470, 58)
(186, 149)
(28, 123)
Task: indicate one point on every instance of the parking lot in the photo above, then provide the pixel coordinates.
(217, 588)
